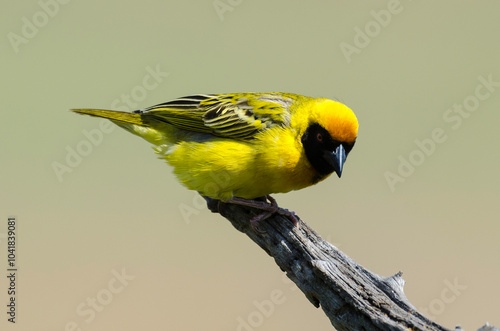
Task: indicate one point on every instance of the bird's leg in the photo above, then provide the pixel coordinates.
(267, 208)
(254, 222)
(282, 211)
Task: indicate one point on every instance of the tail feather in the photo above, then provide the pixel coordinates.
(132, 122)
(116, 116)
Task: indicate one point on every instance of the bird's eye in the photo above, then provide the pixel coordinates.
(319, 137)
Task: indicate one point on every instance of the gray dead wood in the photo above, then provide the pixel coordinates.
(351, 296)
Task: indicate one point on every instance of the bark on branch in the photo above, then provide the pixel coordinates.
(351, 296)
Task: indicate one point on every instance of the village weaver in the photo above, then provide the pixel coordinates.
(238, 147)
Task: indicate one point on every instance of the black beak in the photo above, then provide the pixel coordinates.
(337, 159)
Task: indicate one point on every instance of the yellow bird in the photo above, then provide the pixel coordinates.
(238, 147)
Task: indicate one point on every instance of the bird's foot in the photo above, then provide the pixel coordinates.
(268, 208)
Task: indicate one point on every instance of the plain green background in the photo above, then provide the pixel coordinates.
(120, 207)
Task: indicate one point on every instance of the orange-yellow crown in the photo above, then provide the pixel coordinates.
(336, 118)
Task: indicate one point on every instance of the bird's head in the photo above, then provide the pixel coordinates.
(330, 135)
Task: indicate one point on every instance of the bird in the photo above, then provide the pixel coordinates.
(240, 148)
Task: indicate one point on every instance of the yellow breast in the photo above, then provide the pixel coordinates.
(274, 162)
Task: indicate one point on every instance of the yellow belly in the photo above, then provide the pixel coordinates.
(223, 168)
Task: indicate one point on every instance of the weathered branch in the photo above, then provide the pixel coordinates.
(351, 296)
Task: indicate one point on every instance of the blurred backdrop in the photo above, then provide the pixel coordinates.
(107, 238)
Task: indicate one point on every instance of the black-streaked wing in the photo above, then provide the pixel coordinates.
(237, 116)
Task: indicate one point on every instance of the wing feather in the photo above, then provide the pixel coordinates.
(237, 116)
